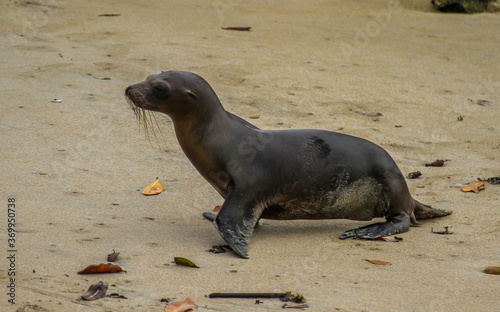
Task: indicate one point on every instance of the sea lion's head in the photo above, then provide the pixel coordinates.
(173, 93)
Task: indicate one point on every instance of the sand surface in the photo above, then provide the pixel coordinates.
(75, 168)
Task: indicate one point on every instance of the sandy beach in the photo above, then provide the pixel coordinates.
(74, 158)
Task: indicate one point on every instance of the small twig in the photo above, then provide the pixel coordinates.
(247, 295)
(237, 28)
(287, 296)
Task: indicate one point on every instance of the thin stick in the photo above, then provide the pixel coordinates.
(247, 295)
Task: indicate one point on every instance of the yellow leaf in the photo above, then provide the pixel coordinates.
(475, 188)
(492, 270)
(185, 262)
(153, 189)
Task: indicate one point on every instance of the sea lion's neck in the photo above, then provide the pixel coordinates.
(201, 134)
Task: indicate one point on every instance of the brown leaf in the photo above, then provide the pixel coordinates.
(185, 262)
(112, 256)
(217, 208)
(378, 262)
(474, 188)
(492, 270)
(437, 163)
(154, 188)
(96, 291)
(101, 268)
(186, 305)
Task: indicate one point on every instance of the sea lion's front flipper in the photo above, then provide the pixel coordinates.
(236, 220)
(373, 231)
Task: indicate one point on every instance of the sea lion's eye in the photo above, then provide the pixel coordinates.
(161, 91)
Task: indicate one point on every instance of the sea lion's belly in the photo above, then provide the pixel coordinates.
(363, 199)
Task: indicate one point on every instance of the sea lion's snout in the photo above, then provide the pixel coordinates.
(135, 97)
(128, 90)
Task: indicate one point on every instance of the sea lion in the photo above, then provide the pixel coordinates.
(279, 174)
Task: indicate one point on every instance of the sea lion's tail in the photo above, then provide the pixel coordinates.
(421, 211)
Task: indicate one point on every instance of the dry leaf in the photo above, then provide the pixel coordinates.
(101, 268)
(217, 208)
(153, 189)
(437, 163)
(474, 188)
(186, 305)
(492, 270)
(185, 262)
(112, 256)
(96, 291)
(378, 262)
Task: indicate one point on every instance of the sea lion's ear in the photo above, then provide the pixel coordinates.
(192, 95)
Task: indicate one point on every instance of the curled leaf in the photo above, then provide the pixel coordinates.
(474, 188)
(378, 262)
(96, 291)
(492, 270)
(112, 256)
(154, 188)
(185, 262)
(101, 268)
(186, 305)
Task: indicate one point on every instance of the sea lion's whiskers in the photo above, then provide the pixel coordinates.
(145, 117)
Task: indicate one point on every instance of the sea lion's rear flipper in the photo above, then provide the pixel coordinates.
(422, 211)
(376, 230)
(236, 221)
